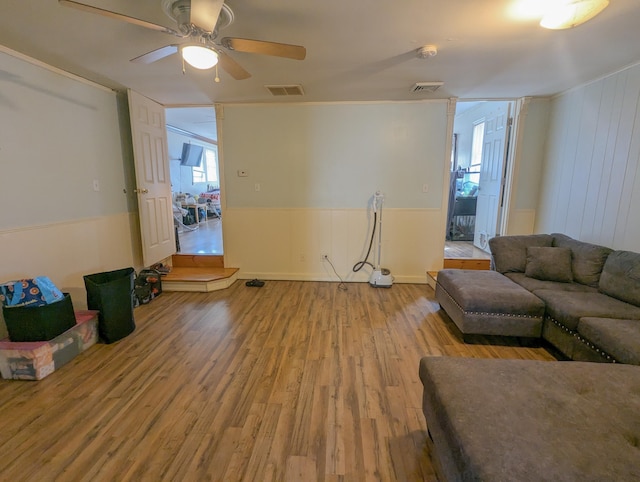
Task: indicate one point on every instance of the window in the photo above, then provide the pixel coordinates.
(208, 170)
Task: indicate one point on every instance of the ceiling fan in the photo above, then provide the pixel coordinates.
(198, 22)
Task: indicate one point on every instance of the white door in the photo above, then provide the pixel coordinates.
(490, 186)
(153, 183)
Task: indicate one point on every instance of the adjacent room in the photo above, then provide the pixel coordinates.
(195, 179)
(268, 241)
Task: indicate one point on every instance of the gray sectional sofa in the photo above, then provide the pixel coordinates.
(525, 420)
(585, 303)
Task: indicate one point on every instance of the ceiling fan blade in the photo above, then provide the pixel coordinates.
(118, 16)
(156, 54)
(205, 13)
(295, 52)
(233, 68)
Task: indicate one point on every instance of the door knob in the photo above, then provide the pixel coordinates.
(141, 191)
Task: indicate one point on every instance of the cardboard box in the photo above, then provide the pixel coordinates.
(34, 360)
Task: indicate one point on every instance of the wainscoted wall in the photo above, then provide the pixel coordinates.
(313, 170)
(289, 243)
(59, 134)
(591, 177)
(521, 221)
(531, 127)
(67, 251)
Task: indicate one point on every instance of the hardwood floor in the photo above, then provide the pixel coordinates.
(294, 381)
(464, 249)
(207, 239)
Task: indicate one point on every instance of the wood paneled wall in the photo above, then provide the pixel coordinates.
(591, 179)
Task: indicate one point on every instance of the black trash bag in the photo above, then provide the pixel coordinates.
(111, 293)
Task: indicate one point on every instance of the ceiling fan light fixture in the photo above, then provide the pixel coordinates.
(569, 14)
(199, 56)
(427, 51)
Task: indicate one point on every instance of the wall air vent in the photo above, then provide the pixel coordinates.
(426, 87)
(278, 90)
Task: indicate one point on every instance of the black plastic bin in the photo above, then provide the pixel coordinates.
(111, 293)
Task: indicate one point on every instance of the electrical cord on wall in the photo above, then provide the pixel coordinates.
(342, 285)
(360, 264)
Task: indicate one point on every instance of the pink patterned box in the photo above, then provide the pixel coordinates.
(34, 360)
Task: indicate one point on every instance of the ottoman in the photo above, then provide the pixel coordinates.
(526, 420)
(489, 303)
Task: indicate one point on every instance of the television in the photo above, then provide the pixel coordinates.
(191, 155)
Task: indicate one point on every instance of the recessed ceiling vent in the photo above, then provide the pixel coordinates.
(426, 87)
(279, 90)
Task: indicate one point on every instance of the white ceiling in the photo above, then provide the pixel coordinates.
(357, 50)
(200, 121)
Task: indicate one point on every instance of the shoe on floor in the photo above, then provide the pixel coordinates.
(255, 282)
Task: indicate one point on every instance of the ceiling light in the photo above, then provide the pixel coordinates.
(572, 13)
(427, 51)
(199, 56)
(529, 9)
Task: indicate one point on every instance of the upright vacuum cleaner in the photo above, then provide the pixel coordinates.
(381, 277)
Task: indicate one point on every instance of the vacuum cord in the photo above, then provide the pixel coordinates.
(360, 264)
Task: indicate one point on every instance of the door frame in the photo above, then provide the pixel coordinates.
(511, 161)
(511, 170)
(184, 130)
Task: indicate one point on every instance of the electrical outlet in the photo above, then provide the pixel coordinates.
(325, 257)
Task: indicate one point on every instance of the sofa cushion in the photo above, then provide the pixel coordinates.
(620, 276)
(549, 264)
(587, 259)
(533, 284)
(510, 252)
(568, 307)
(618, 338)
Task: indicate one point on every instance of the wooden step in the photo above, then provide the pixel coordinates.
(432, 278)
(197, 261)
(458, 263)
(467, 263)
(202, 279)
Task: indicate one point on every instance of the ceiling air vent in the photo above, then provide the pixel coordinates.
(426, 87)
(278, 90)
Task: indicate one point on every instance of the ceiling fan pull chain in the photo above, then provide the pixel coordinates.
(184, 71)
(217, 79)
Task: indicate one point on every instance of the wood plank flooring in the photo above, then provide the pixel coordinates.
(464, 249)
(207, 239)
(295, 381)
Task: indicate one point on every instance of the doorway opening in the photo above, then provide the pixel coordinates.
(195, 179)
(480, 149)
